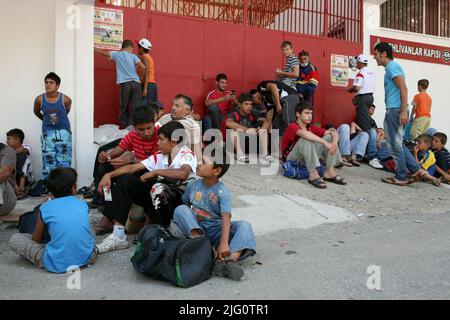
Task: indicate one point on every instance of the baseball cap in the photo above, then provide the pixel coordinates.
(362, 58)
(144, 43)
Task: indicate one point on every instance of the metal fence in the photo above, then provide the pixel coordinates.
(339, 19)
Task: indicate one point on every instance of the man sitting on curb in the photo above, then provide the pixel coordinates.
(307, 144)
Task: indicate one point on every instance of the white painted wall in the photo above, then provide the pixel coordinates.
(438, 74)
(38, 39)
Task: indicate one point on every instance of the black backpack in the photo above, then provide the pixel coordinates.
(28, 221)
(185, 262)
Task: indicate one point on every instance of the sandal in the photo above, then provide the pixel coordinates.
(318, 183)
(437, 182)
(346, 162)
(355, 163)
(419, 175)
(394, 181)
(337, 180)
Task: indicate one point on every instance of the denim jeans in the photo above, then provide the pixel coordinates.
(371, 151)
(56, 150)
(384, 155)
(394, 132)
(152, 94)
(241, 232)
(356, 146)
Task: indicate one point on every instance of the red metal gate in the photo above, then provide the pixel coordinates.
(195, 40)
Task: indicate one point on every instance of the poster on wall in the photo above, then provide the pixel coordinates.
(339, 70)
(352, 66)
(108, 28)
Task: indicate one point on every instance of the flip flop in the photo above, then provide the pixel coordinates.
(347, 163)
(437, 182)
(317, 183)
(337, 180)
(394, 181)
(355, 163)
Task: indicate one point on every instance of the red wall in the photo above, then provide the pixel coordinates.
(189, 52)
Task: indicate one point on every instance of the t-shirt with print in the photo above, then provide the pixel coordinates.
(365, 80)
(126, 66)
(423, 105)
(427, 161)
(291, 62)
(141, 148)
(208, 202)
(8, 157)
(160, 161)
(290, 137)
(248, 121)
(392, 91)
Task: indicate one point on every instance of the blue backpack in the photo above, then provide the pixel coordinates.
(293, 170)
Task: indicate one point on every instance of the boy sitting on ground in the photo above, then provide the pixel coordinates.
(307, 144)
(24, 173)
(66, 219)
(244, 123)
(425, 158)
(138, 184)
(207, 211)
(442, 157)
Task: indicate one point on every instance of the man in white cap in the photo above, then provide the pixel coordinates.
(363, 87)
(149, 88)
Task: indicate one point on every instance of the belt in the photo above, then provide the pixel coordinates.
(365, 94)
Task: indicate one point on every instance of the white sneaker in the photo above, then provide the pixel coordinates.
(112, 243)
(375, 163)
(267, 159)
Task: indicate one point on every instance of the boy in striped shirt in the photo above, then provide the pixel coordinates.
(291, 70)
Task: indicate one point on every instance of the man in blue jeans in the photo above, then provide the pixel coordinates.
(396, 99)
(371, 152)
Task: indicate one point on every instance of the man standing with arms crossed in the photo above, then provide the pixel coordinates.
(396, 99)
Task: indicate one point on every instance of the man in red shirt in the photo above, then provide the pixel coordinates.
(136, 146)
(219, 102)
(307, 144)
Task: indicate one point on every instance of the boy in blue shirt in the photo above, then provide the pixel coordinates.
(127, 78)
(52, 108)
(66, 219)
(207, 211)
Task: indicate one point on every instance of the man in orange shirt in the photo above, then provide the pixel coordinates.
(421, 110)
(149, 88)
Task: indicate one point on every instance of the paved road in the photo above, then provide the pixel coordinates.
(325, 262)
(405, 232)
